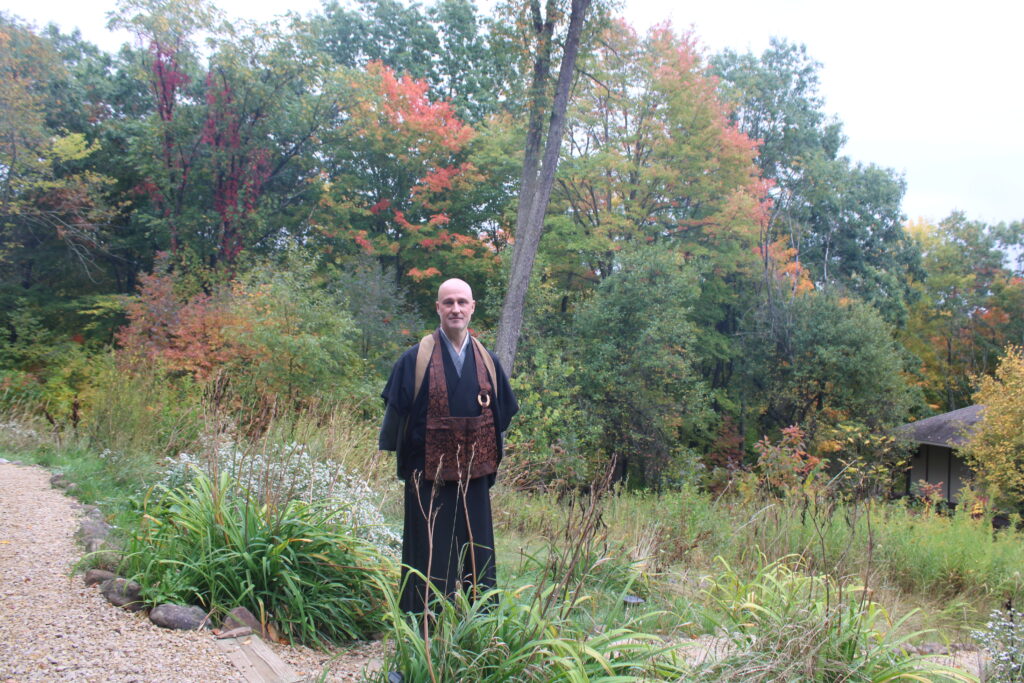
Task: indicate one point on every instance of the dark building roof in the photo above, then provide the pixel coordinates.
(948, 429)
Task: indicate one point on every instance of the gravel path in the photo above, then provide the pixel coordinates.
(54, 628)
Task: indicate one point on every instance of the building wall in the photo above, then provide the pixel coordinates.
(936, 464)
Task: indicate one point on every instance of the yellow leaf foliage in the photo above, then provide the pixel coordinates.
(996, 448)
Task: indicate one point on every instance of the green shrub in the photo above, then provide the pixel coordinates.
(552, 441)
(294, 565)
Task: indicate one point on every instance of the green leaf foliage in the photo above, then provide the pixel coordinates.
(293, 566)
(634, 348)
(817, 360)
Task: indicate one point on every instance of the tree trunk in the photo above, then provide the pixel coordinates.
(537, 178)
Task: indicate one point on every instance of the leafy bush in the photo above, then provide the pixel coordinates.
(298, 566)
(41, 370)
(552, 441)
(272, 336)
(817, 360)
(636, 367)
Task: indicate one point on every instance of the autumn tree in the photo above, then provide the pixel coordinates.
(841, 219)
(970, 305)
(391, 183)
(995, 447)
(654, 159)
(56, 235)
(223, 156)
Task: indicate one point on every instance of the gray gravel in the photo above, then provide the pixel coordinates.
(54, 628)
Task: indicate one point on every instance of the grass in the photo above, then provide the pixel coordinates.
(787, 623)
(556, 628)
(895, 549)
(296, 566)
(509, 635)
(662, 547)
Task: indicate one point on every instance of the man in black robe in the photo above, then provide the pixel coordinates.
(448, 533)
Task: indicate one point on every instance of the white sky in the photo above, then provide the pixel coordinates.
(934, 90)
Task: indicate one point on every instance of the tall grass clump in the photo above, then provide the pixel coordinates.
(949, 555)
(325, 458)
(298, 566)
(20, 432)
(785, 624)
(138, 415)
(508, 635)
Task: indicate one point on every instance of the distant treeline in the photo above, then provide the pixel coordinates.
(270, 208)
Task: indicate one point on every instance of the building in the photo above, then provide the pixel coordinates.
(936, 459)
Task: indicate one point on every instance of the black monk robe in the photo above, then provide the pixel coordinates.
(448, 532)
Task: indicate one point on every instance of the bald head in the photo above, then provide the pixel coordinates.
(455, 308)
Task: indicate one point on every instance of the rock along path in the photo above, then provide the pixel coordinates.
(54, 628)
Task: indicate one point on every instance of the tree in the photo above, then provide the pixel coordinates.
(970, 304)
(470, 71)
(392, 173)
(633, 347)
(387, 31)
(52, 206)
(842, 219)
(653, 158)
(448, 45)
(56, 211)
(995, 447)
(818, 360)
(538, 172)
(223, 157)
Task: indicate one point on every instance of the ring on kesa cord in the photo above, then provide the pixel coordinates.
(484, 399)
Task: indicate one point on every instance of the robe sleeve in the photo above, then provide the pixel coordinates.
(398, 399)
(397, 392)
(506, 400)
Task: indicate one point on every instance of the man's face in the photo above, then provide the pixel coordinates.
(455, 307)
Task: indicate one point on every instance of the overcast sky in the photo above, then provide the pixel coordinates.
(934, 90)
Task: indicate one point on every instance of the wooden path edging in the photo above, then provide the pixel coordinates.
(256, 661)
